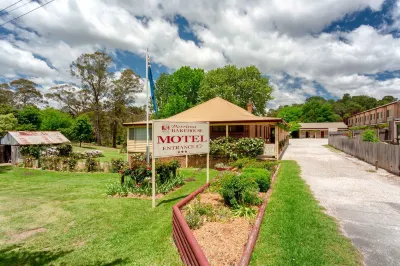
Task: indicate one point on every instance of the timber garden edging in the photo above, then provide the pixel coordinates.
(187, 245)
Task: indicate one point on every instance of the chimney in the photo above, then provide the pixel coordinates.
(250, 107)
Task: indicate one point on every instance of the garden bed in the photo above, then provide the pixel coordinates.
(222, 241)
(225, 225)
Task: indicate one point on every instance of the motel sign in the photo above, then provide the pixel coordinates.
(180, 138)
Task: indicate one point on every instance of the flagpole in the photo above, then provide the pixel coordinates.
(147, 109)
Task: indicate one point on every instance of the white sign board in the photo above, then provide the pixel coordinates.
(180, 138)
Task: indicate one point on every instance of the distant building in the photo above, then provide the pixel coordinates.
(320, 130)
(385, 114)
(11, 143)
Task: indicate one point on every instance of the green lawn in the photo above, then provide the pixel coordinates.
(109, 153)
(295, 229)
(83, 226)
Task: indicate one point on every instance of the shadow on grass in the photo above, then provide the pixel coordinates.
(15, 255)
(171, 200)
(5, 169)
(112, 263)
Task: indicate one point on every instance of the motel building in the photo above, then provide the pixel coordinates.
(320, 130)
(226, 119)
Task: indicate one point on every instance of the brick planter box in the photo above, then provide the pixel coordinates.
(188, 247)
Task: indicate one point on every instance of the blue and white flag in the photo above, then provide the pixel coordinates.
(152, 88)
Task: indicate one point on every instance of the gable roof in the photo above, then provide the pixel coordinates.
(215, 110)
(33, 138)
(322, 125)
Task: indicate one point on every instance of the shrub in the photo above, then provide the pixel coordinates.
(144, 187)
(169, 185)
(250, 147)
(72, 162)
(64, 149)
(237, 148)
(244, 211)
(239, 190)
(138, 174)
(137, 159)
(261, 176)
(31, 151)
(254, 163)
(78, 155)
(369, 135)
(91, 165)
(165, 171)
(117, 165)
(193, 220)
(221, 165)
(94, 153)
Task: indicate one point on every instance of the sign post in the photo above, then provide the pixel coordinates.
(178, 139)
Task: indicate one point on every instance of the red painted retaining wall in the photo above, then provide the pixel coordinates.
(190, 251)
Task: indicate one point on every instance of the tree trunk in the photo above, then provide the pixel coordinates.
(98, 135)
(114, 134)
(80, 143)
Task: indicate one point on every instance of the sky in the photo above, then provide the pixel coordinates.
(305, 47)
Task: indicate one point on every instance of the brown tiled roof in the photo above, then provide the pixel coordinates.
(213, 111)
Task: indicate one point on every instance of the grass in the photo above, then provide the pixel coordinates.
(329, 147)
(109, 153)
(83, 226)
(296, 230)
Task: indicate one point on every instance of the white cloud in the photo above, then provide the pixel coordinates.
(17, 61)
(276, 36)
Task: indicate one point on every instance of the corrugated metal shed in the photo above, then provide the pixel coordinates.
(33, 138)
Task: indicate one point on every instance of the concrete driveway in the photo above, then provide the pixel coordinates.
(365, 202)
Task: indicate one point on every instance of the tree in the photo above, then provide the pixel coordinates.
(175, 105)
(53, 119)
(81, 130)
(291, 113)
(182, 86)
(29, 118)
(162, 91)
(365, 101)
(386, 100)
(7, 122)
(26, 92)
(316, 111)
(71, 98)
(237, 85)
(121, 95)
(316, 98)
(6, 94)
(93, 71)
(7, 109)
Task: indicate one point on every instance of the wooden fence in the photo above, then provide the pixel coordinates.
(386, 156)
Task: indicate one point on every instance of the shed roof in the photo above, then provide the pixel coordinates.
(213, 111)
(323, 125)
(33, 138)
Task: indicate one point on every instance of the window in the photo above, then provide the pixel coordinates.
(236, 128)
(218, 128)
(139, 133)
(387, 113)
